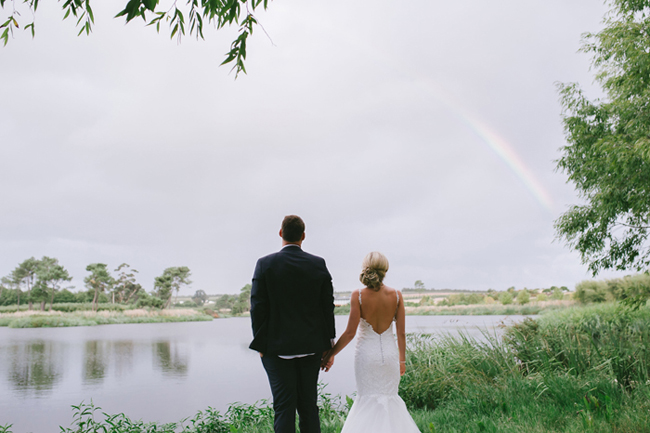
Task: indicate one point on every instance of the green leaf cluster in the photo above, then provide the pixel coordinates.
(607, 156)
(193, 14)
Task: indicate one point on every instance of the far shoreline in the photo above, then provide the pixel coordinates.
(55, 319)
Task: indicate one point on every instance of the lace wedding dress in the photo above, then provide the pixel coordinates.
(377, 408)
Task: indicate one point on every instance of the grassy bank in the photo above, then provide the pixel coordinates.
(574, 370)
(88, 318)
(577, 370)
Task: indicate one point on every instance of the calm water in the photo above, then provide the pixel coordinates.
(156, 372)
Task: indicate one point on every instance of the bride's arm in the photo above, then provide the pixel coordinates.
(401, 334)
(348, 334)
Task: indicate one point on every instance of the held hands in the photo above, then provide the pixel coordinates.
(327, 361)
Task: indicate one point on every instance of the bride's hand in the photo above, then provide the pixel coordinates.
(402, 368)
(327, 361)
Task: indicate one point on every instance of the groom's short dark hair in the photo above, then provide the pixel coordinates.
(292, 228)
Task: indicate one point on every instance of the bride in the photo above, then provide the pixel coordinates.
(378, 361)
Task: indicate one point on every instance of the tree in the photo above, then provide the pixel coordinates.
(505, 298)
(125, 286)
(419, 285)
(607, 155)
(24, 275)
(99, 280)
(199, 13)
(243, 302)
(523, 297)
(171, 280)
(199, 297)
(51, 275)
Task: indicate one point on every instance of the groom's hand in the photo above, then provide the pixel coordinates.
(326, 361)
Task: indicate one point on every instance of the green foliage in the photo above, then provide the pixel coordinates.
(541, 297)
(342, 310)
(237, 304)
(505, 298)
(592, 291)
(523, 297)
(602, 338)
(608, 152)
(146, 300)
(238, 418)
(418, 285)
(579, 369)
(171, 280)
(631, 290)
(462, 299)
(99, 280)
(199, 297)
(72, 319)
(181, 18)
(125, 287)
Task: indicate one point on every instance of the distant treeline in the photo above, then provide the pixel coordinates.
(42, 281)
(507, 297)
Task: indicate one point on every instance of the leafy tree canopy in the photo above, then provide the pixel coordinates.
(607, 155)
(189, 16)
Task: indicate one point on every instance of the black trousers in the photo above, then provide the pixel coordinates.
(294, 385)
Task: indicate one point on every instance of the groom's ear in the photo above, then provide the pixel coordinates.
(303, 237)
(280, 233)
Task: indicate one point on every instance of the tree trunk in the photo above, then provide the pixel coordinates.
(52, 300)
(95, 299)
(42, 305)
(18, 292)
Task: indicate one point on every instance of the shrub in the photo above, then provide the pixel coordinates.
(541, 297)
(505, 298)
(523, 297)
(592, 291)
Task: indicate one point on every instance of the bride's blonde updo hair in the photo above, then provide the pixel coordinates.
(375, 266)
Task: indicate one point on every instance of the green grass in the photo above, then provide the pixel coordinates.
(576, 370)
(69, 307)
(65, 320)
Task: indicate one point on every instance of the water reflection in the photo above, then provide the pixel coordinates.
(34, 367)
(170, 358)
(94, 366)
(122, 357)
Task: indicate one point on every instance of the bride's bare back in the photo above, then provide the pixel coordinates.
(378, 308)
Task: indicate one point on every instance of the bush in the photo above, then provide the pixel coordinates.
(633, 290)
(150, 301)
(523, 297)
(505, 298)
(592, 291)
(462, 299)
(541, 297)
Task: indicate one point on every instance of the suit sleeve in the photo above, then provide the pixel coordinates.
(327, 303)
(259, 307)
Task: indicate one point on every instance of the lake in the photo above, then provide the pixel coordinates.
(157, 372)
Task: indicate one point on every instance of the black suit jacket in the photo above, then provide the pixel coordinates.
(292, 304)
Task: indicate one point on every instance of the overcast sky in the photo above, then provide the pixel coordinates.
(379, 122)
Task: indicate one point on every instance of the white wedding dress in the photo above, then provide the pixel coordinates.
(377, 408)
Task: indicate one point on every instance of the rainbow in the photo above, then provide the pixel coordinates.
(498, 145)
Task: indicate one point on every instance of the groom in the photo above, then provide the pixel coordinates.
(292, 310)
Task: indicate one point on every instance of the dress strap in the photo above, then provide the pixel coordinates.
(360, 296)
(396, 306)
